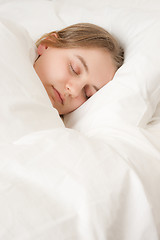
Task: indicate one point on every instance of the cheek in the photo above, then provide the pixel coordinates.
(77, 102)
(40, 68)
(55, 72)
(44, 70)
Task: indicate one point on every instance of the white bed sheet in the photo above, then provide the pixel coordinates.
(99, 177)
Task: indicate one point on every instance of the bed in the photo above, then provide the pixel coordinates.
(95, 174)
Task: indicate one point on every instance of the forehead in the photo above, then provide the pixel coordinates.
(101, 67)
(93, 56)
(89, 51)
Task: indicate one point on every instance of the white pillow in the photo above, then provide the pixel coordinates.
(25, 106)
(132, 96)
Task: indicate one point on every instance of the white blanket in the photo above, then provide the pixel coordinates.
(95, 176)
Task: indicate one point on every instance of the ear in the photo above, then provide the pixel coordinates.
(55, 34)
(41, 48)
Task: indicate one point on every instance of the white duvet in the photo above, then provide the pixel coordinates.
(96, 175)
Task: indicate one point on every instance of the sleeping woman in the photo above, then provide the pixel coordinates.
(75, 62)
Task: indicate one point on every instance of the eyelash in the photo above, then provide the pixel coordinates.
(72, 69)
(85, 94)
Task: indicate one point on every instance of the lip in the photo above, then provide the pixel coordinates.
(57, 95)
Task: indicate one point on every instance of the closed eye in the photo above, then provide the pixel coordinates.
(73, 70)
(90, 91)
(86, 96)
(87, 93)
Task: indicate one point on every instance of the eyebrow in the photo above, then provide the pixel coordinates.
(83, 62)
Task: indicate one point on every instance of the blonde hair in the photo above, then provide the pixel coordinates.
(85, 35)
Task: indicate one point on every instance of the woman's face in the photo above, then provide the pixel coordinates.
(71, 76)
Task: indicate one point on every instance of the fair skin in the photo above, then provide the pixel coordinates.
(71, 76)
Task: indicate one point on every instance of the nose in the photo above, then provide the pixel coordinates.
(74, 87)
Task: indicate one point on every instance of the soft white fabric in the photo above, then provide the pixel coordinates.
(100, 179)
(25, 106)
(134, 92)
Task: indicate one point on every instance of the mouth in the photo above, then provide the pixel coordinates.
(57, 95)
